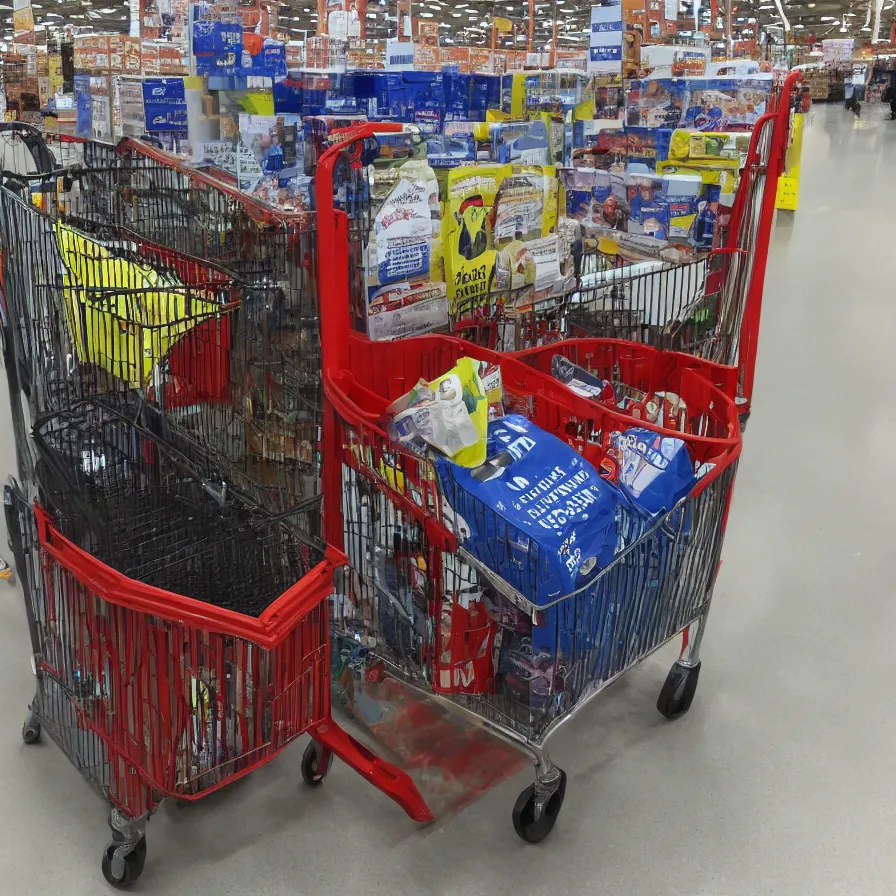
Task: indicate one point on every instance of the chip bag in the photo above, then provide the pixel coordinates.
(655, 471)
(449, 414)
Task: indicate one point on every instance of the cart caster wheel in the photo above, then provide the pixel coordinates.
(313, 769)
(31, 732)
(530, 823)
(678, 692)
(122, 871)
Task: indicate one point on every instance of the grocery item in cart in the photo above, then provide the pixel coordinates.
(655, 470)
(448, 414)
(581, 381)
(536, 512)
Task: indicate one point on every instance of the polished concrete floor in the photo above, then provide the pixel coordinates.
(781, 779)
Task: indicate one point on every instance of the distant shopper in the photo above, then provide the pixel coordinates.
(889, 96)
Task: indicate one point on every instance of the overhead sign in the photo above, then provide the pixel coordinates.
(605, 44)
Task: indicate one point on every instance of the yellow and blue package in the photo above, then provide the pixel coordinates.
(655, 470)
(449, 414)
(536, 512)
(467, 242)
(126, 333)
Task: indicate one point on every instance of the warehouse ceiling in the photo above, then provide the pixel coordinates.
(469, 21)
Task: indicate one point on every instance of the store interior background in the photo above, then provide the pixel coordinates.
(779, 780)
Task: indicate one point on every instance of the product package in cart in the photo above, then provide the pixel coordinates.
(536, 512)
(538, 515)
(655, 470)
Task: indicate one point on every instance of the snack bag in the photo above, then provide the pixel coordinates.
(581, 381)
(400, 246)
(655, 471)
(449, 414)
(666, 409)
(467, 241)
(514, 267)
(493, 384)
(534, 491)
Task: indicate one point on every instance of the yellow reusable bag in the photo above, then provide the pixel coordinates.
(126, 333)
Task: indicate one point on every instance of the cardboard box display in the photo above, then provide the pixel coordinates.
(92, 52)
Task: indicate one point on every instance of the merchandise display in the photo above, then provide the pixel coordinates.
(496, 309)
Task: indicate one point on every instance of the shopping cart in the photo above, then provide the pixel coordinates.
(177, 603)
(425, 603)
(441, 588)
(153, 693)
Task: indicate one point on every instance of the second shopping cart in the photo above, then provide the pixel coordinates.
(165, 526)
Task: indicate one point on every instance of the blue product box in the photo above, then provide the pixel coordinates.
(164, 105)
(722, 104)
(454, 146)
(83, 106)
(655, 219)
(707, 214)
(642, 193)
(663, 140)
(165, 118)
(526, 142)
(203, 36)
(288, 94)
(485, 94)
(458, 90)
(226, 38)
(425, 97)
(164, 91)
(658, 103)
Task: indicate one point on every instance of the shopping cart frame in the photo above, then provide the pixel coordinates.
(124, 856)
(537, 807)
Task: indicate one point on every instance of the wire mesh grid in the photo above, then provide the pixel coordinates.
(158, 516)
(446, 621)
(101, 312)
(693, 305)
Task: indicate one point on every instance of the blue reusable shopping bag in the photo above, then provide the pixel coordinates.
(536, 513)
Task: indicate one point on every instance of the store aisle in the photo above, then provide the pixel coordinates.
(778, 782)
